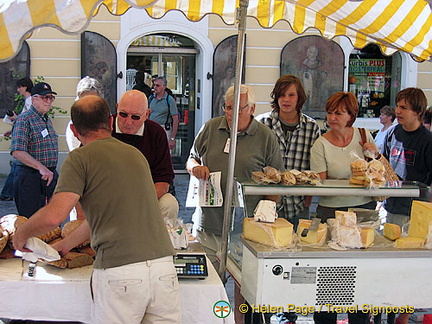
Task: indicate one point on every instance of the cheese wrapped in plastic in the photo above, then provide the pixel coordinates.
(278, 234)
(265, 211)
(346, 218)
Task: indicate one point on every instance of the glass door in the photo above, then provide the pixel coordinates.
(179, 70)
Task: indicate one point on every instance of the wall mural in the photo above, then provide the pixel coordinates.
(10, 72)
(224, 59)
(319, 63)
(99, 61)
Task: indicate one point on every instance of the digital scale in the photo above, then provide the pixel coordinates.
(191, 262)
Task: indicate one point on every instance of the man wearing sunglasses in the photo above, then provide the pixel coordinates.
(164, 109)
(35, 146)
(131, 125)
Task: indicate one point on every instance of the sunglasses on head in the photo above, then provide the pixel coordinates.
(133, 116)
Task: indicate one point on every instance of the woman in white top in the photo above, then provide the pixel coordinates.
(387, 117)
(331, 158)
(330, 154)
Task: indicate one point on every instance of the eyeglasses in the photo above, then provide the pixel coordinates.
(157, 85)
(230, 108)
(46, 97)
(133, 116)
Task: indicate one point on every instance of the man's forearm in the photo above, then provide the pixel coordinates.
(161, 188)
(27, 159)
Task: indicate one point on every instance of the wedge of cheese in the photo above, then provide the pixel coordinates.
(367, 235)
(313, 237)
(410, 242)
(277, 234)
(346, 218)
(392, 231)
(421, 216)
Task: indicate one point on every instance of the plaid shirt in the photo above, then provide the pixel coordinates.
(35, 134)
(295, 153)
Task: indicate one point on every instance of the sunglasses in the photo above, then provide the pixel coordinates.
(133, 116)
(46, 98)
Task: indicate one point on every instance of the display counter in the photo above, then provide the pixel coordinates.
(55, 294)
(378, 276)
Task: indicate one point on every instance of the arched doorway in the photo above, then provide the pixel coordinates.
(172, 56)
(135, 25)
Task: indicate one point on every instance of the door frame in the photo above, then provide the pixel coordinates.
(135, 23)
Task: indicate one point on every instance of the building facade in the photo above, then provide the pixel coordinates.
(198, 59)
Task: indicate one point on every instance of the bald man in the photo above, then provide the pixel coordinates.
(132, 126)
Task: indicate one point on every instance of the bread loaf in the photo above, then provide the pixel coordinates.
(51, 235)
(76, 260)
(72, 260)
(71, 226)
(288, 179)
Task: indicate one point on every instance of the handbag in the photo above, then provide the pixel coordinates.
(389, 174)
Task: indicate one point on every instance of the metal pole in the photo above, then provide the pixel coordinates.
(241, 18)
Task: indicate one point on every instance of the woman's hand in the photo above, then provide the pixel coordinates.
(370, 150)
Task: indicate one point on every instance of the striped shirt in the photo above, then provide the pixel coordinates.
(34, 133)
(295, 152)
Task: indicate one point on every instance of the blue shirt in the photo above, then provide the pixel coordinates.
(159, 108)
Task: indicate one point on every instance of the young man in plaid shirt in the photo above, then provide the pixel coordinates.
(296, 133)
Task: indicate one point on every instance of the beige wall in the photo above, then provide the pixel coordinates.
(56, 56)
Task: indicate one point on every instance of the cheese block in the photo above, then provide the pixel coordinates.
(392, 231)
(421, 216)
(346, 218)
(313, 237)
(367, 235)
(277, 234)
(410, 242)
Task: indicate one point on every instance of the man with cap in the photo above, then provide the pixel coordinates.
(35, 146)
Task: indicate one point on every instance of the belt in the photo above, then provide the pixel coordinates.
(52, 169)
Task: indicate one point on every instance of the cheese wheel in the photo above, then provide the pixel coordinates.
(392, 231)
(277, 234)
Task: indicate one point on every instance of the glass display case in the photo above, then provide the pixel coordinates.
(326, 188)
(318, 277)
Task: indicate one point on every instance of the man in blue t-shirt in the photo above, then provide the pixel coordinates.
(164, 110)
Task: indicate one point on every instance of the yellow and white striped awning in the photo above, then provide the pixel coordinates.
(392, 24)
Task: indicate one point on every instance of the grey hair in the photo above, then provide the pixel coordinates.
(163, 79)
(88, 84)
(244, 89)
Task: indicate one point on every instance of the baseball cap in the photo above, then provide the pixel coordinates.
(42, 88)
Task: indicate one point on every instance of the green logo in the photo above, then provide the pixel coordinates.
(222, 309)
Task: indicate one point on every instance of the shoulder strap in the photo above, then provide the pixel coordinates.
(363, 134)
(168, 120)
(151, 98)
